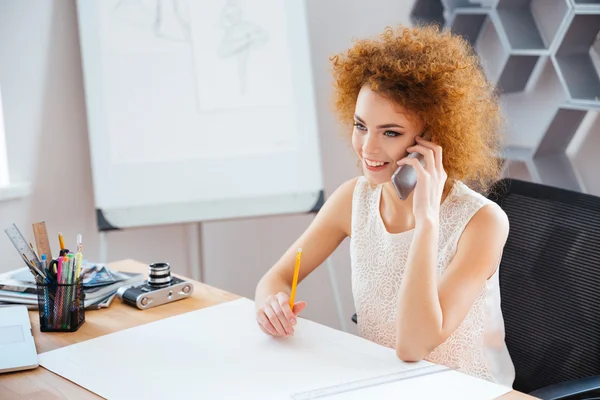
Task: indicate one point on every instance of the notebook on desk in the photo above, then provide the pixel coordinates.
(16, 340)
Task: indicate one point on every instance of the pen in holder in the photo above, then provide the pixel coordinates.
(61, 306)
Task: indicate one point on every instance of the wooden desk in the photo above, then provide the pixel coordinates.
(40, 383)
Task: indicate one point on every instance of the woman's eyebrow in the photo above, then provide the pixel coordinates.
(389, 126)
(359, 119)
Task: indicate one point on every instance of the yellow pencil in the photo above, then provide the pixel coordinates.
(295, 281)
(61, 241)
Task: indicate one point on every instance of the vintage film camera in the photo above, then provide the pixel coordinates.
(160, 288)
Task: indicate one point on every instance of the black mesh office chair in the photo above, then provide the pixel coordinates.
(550, 287)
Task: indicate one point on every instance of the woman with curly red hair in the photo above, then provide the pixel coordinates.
(424, 268)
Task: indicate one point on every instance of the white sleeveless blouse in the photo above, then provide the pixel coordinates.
(378, 259)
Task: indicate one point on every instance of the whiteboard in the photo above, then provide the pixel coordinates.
(199, 110)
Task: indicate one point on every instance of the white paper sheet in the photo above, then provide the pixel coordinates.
(220, 353)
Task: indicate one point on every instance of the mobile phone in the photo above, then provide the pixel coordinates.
(405, 177)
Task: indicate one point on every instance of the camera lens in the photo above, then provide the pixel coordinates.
(159, 275)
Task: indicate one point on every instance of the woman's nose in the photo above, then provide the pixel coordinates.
(371, 144)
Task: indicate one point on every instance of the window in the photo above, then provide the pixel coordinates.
(8, 190)
(3, 156)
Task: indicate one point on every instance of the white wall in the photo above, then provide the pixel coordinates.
(41, 78)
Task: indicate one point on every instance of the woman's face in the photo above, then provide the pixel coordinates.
(382, 132)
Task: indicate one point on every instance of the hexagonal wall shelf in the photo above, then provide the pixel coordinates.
(577, 57)
(451, 5)
(550, 158)
(427, 11)
(583, 152)
(468, 23)
(531, 25)
(530, 112)
(517, 169)
(510, 72)
(439, 11)
(544, 57)
(584, 3)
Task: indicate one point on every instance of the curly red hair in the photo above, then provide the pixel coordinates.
(436, 75)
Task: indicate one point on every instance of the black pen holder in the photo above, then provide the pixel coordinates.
(61, 306)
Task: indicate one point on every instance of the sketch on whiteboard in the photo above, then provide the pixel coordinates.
(191, 89)
(239, 39)
(168, 19)
(241, 54)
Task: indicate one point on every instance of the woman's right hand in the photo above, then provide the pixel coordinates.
(276, 318)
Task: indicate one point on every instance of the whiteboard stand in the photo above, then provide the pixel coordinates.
(194, 265)
(194, 262)
(103, 247)
(336, 295)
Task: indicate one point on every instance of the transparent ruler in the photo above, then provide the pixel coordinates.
(325, 392)
(20, 243)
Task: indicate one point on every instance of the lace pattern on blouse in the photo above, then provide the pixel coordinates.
(378, 262)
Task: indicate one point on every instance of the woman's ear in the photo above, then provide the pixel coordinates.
(427, 135)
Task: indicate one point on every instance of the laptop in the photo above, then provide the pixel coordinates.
(17, 348)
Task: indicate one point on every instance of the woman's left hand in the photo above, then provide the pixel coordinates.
(431, 180)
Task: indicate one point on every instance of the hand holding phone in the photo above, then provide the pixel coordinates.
(405, 177)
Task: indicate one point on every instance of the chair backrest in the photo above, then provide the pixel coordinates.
(550, 282)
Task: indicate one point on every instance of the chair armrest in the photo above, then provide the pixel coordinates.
(566, 389)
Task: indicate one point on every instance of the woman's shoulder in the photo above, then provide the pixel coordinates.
(349, 187)
(464, 194)
(348, 192)
(337, 210)
(474, 205)
(342, 196)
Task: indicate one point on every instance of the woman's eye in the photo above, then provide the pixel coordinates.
(360, 127)
(391, 133)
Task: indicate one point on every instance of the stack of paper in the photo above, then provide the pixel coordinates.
(220, 353)
(100, 285)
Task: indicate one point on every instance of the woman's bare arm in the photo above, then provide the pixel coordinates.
(329, 228)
